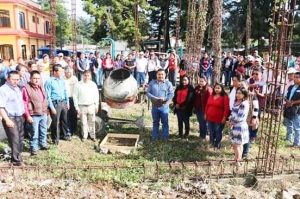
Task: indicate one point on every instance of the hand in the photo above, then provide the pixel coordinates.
(96, 109)
(29, 120)
(53, 111)
(289, 104)
(78, 112)
(9, 123)
(204, 116)
(223, 120)
(68, 106)
(177, 106)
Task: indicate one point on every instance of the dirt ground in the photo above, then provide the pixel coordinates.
(78, 153)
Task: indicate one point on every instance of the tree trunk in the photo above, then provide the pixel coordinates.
(167, 26)
(161, 24)
(216, 38)
(248, 29)
(201, 24)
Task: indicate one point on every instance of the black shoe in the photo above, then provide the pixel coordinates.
(185, 136)
(55, 142)
(93, 139)
(17, 164)
(45, 148)
(33, 153)
(68, 138)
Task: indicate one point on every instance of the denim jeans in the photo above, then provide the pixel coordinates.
(140, 78)
(227, 75)
(246, 146)
(99, 76)
(293, 126)
(183, 118)
(215, 135)
(38, 132)
(202, 124)
(160, 114)
(172, 77)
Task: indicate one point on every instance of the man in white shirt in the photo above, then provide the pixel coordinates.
(141, 66)
(86, 101)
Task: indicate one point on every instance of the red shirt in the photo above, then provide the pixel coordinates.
(201, 97)
(107, 63)
(172, 64)
(217, 109)
(181, 96)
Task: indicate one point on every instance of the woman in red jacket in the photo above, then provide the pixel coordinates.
(216, 113)
(202, 93)
(183, 101)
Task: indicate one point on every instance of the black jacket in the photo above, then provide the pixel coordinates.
(189, 102)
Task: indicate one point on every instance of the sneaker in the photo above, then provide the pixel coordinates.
(93, 139)
(33, 153)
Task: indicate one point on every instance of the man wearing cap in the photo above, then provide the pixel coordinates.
(141, 66)
(11, 111)
(61, 60)
(290, 77)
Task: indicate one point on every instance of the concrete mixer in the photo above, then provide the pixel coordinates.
(120, 89)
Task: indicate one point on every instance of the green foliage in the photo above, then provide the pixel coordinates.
(63, 25)
(85, 30)
(116, 18)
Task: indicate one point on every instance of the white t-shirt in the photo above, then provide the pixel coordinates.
(141, 64)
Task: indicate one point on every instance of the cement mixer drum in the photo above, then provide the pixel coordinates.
(120, 89)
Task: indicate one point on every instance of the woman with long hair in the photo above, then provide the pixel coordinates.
(239, 134)
(202, 93)
(183, 101)
(216, 114)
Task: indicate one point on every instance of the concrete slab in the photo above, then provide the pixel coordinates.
(123, 143)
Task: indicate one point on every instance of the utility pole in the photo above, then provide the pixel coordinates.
(52, 28)
(74, 25)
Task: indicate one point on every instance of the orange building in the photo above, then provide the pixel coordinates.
(24, 27)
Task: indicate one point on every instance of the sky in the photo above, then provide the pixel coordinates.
(79, 8)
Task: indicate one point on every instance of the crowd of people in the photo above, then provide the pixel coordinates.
(64, 88)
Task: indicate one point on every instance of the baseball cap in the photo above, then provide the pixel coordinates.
(291, 71)
(60, 54)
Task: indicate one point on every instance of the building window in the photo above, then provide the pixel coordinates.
(4, 18)
(6, 51)
(33, 19)
(24, 54)
(37, 20)
(33, 54)
(22, 20)
(47, 27)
